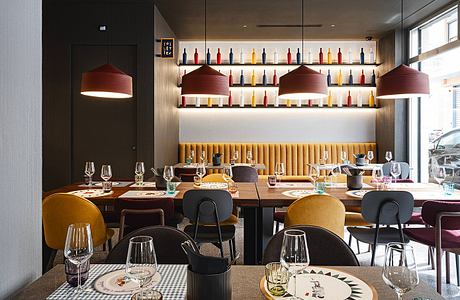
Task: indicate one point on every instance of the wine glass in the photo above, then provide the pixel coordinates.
(336, 171)
(395, 170)
(201, 171)
(139, 170)
(78, 248)
(370, 155)
(439, 174)
(106, 172)
(89, 171)
(168, 173)
(141, 262)
(192, 155)
(325, 156)
(313, 173)
(249, 156)
(400, 268)
(203, 156)
(235, 156)
(388, 156)
(343, 156)
(377, 175)
(294, 254)
(227, 173)
(279, 170)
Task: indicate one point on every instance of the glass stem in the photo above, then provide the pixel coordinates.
(400, 296)
(295, 285)
(90, 180)
(142, 291)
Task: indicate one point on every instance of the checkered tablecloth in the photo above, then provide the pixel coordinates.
(172, 284)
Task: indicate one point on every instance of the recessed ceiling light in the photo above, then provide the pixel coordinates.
(245, 26)
(332, 25)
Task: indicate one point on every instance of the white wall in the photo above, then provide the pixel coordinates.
(20, 143)
(294, 125)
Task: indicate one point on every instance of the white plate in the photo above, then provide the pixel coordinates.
(213, 186)
(90, 193)
(357, 194)
(114, 183)
(113, 283)
(298, 193)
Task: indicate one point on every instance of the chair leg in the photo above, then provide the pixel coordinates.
(349, 240)
(103, 247)
(357, 245)
(431, 251)
(447, 267)
(277, 226)
(49, 265)
(109, 244)
(458, 269)
(438, 270)
(374, 248)
(230, 248)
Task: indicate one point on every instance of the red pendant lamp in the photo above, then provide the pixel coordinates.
(402, 81)
(303, 82)
(205, 81)
(106, 81)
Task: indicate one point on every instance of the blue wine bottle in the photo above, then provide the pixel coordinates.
(264, 79)
(329, 80)
(264, 57)
(230, 57)
(298, 56)
(208, 58)
(373, 78)
(184, 57)
(350, 78)
(361, 56)
(242, 78)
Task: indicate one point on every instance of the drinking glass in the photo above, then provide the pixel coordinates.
(377, 175)
(139, 170)
(279, 170)
(344, 156)
(313, 172)
(106, 174)
(388, 156)
(203, 156)
(439, 175)
(400, 268)
(336, 171)
(227, 173)
(235, 156)
(89, 171)
(277, 278)
(395, 170)
(370, 155)
(249, 156)
(294, 254)
(192, 155)
(78, 248)
(201, 171)
(141, 262)
(325, 156)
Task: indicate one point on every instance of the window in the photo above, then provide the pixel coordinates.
(452, 31)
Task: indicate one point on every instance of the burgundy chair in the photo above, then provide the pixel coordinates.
(444, 235)
(244, 174)
(185, 174)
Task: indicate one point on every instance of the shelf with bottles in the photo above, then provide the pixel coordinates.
(305, 106)
(275, 87)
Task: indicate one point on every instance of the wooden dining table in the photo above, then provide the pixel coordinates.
(245, 283)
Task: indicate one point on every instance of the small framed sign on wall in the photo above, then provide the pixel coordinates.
(167, 47)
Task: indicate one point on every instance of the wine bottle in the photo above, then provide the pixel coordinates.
(242, 78)
(350, 56)
(289, 56)
(185, 72)
(371, 99)
(349, 99)
(209, 102)
(242, 57)
(298, 56)
(264, 56)
(339, 99)
(277, 101)
(253, 99)
(253, 78)
(329, 56)
(221, 102)
(275, 78)
(219, 57)
(184, 102)
(230, 57)
(373, 78)
(230, 100)
(299, 102)
(329, 99)
(275, 57)
(310, 58)
(230, 79)
(359, 100)
(310, 103)
(339, 78)
(264, 79)
(197, 102)
(253, 56)
(350, 78)
(361, 56)
(320, 102)
(339, 57)
(184, 57)
(195, 57)
(265, 99)
(241, 98)
(208, 57)
(362, 78)
(329, 80)
(288, 103)
(321, 56)
(371, 56)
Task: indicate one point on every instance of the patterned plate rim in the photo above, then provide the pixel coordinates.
(99, 278)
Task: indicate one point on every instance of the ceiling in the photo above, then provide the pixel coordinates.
(239, 19)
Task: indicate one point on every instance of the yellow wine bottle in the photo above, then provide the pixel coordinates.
(209, 102)
(371, 99)
(329, 99)
(253, 99)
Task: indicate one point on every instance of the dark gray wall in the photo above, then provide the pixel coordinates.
(20, 144)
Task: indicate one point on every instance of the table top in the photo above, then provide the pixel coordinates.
(367, 167)
(221, 166)
(245, 281)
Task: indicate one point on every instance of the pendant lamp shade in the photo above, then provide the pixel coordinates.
(205, 82)
(302, 83)
(402, 82)
(106, 81)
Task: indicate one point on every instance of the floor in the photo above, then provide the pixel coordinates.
(450, 291)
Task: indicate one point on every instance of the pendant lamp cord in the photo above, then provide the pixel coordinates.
(302, 35)
(109, 19)
(205, 29)
(402, 32)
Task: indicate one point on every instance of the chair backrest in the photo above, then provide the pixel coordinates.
(201, 202)
(185, 174)
(61, 209)
(139, 221)
(390, 204)
(405, 169)
(431, 209)
(319, 210)
(244, 174)
(325, 248)
(166, 240)
(217, 177)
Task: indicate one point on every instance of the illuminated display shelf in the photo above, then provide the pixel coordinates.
(272, 87)
(293, 106)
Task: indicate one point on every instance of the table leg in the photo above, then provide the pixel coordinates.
(265, 230)
(250, 235)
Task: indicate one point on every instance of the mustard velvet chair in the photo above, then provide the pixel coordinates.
(319, 210)
(217, 177)
(62, 209)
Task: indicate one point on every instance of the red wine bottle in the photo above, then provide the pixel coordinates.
(310, 103)
(265, 99)
(219, 57)
(349, 100)
(230, 79)
(275, 79)
(230, 100)
(289, 56)
(362, 78)
(339, 57)
(184, 102)
(195, 57)
(321, 56)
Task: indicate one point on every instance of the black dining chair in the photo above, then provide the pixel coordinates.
(166, 240)
(405, 169)
(325, 248)
(244, 174)
(384, 208)
(206, 209)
